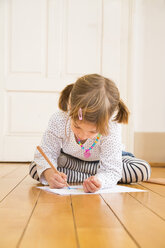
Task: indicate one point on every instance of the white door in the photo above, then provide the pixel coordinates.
(47, 44)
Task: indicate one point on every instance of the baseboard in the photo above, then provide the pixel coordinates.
(157, 164)
(150, 147)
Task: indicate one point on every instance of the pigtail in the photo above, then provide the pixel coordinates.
(64, 97)
(122, 114)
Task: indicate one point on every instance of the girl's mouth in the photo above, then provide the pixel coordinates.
(80, 139)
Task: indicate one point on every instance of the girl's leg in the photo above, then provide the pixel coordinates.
(134, 170)
(76, 170)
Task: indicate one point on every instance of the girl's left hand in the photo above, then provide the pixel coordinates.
(91, 185)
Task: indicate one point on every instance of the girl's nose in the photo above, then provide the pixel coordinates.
(82, 136)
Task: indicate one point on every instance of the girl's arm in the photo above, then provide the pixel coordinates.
(51, 145)
(110, 170)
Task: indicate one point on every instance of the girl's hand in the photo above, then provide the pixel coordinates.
(54, 180)
(91, 185)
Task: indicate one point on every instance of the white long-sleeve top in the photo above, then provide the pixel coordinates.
(59, 135)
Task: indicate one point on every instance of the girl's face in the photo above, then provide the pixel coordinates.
(83, 130)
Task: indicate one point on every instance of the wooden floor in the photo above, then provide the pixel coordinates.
(30, 217)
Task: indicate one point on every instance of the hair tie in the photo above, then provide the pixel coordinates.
(80, 114)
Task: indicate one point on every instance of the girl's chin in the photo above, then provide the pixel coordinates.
(79, 138)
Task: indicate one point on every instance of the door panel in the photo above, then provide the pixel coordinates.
(47, 44)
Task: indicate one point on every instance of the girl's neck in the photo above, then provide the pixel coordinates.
(82, 141)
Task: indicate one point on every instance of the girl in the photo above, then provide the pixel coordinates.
(83, 139)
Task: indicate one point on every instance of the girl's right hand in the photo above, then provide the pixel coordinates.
(54, 180)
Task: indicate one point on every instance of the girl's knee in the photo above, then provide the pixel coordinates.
(135, 170)
(145, 168)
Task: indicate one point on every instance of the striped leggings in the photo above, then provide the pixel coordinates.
(134, 169)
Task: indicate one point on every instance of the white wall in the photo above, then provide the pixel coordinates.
(149, 66)
(41, 54)
(48, 44)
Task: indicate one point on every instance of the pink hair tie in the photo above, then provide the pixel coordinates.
(80, 114)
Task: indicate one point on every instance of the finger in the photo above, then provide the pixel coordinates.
(96, 182)
(60, 185)
(91, 186)
(64, 176)
(59, 178)
(54, 184)
(87, 184)
(85, 188)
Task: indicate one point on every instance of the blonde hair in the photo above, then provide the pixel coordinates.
(98, 97)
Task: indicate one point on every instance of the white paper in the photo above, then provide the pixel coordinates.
(78, 190)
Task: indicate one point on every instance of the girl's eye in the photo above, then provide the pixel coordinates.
(76, 127)
(93, 132)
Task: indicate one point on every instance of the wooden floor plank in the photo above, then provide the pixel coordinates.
(149, 199)
(7, 169)
(152, 201)
(96, 224)
(8, 182)
(34, 217)
(51, 224)
(15, 211)
(146, 227)
(156, 173)
(159, 189)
